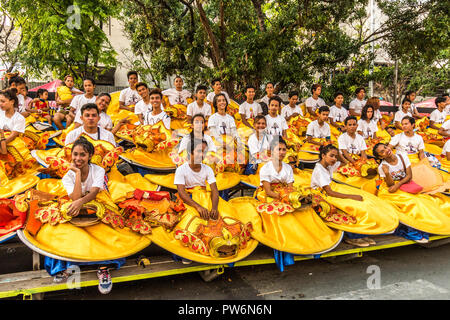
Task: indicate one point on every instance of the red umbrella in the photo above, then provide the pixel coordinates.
(51, 86)
(429, 103)
(385, 103)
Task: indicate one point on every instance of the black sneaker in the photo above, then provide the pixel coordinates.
(104, 280)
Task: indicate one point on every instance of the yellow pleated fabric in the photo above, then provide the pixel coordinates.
(52, 186)
(167, 241)
(224, 180)
(9, 188)
(95, 243)
(176, 124)
(252, 180)
(445, 164)
(432, 148)
(116, 114)
(428, 213)
(373, 215)
(151, 160)
(356, 182)
(300, 232)
(307, 157)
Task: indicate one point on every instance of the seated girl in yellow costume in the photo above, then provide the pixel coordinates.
(367, 127)
(367, 216)
(64, 96)
(425, 212)
(403, 112)
(352, 146)
(75, 222)
(209, 231)
(258, 150)
(16, 163)
(280, 216)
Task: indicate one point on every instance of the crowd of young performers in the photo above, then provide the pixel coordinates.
(297, 208)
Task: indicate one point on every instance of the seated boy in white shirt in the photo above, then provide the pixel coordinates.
(157, 114)
(249, 109)
(319, 128)
(292, 110)
(199, 106)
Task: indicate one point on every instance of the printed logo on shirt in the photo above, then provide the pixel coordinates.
(410, 149)
(398, 175)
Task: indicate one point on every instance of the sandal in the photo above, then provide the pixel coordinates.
(357, 242)
(61, 276)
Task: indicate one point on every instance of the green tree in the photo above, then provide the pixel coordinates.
(63, 37)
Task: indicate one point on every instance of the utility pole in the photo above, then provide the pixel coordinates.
(395, 81)
(372, 45)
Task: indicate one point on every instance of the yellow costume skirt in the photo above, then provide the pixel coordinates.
(428, 213)
(167, 240)
(157, 160)
(373, 215)
(98, 242)
(224, 180)
(356, 182)
(300, 232)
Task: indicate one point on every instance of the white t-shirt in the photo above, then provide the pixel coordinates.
(446, 148)
(142, 108)
(405, 144)
(185, 140)
(315, 104)
(438, 116)
(446, 126)
(219, 124)
(316, 131)
(80, 100)
(269, 174)
(368, 129)
(255, 146)
(321, 176)
(150, 119)
(189, 178)
(399, 115)
(95, 179)
(357, 105)
(397, 172)
(413, 108)
(211, 95)
(129, 96)
(22, 105)
(377, 116)
(15, 123)
(250, 110)
(193, 109)
(105, 121)
(353, 146)
(338, 114)
(177, 97)
(102, 134)
(276, 125)
(287, 111)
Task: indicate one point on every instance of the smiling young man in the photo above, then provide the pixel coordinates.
(90, 117)
(156, 114)
(129, 96)
(177, 95)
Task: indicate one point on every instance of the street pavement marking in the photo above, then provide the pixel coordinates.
(418, 289)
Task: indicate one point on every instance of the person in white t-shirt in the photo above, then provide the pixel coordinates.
(90, 118)
(377, 117)
(403, 112)
(292, 110)
(276, 171)
(258, 144)
(276, 124)
(444, 130)
(367, 127)
(408, 141)
(446, 150)
(10, 119)
(217, 88)
(221, 122)
(177, 95)
(20, 85)
(319, 128)
(142, 106)
(199, 105)
(129, 96)
(357, 104)
(198, 132)
(195, 174)
(337, 112)
(439, 115)
(350, 142)
(314, 102)
(249, 109)
(411, 95)
(157, 114)
(78, 101)
(103, 100)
